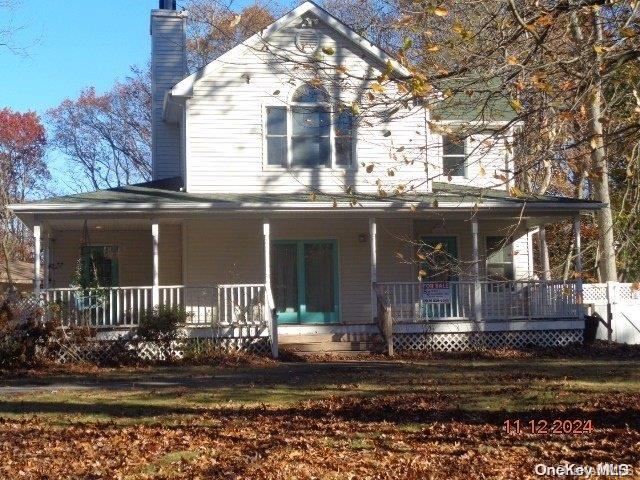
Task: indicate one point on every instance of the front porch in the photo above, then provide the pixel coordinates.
(249, 270)
(511, 314)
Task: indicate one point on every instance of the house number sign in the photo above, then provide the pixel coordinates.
(436, 292)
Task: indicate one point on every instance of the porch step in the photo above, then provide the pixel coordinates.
(285, 339)
(332, 343)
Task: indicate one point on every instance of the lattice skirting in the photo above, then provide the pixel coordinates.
(107, 351)
(455, 342)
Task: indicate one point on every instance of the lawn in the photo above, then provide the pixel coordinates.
(360, 419)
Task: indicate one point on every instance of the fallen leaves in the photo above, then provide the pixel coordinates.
(410, 436)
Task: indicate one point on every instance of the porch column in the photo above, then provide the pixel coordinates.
(266, 230)
(155, 290)
(578, 259)
(36, 261)
(477, 287)
(269, 305)
(544, 254)
(373, 238)
(47, 260)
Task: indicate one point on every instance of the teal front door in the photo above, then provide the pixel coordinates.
(441, 264)
(305, 281)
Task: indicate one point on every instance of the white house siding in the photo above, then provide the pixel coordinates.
(487, 165)
(168, 67)
(231, 251)
(225, 125)
(223, 251)
(394, 239)
(523, 257)
(134, 254)
(461, 229)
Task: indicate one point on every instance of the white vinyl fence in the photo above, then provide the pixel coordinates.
(618, 304)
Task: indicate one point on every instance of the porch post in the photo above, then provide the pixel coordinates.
(477, 287)
(155, 290)
(578, 261)
(544, 254)
(47, 260)
(578, 242)
(268, 294)
(373, 236)
(36, 261)
(266, 229)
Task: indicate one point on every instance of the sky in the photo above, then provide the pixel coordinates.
(69, 45)
(64, 46)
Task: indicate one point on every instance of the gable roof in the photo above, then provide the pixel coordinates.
(184, 88)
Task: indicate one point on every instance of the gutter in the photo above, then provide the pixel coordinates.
(290, 207)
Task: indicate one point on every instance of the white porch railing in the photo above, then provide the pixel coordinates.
(222, 305)
(499, 301)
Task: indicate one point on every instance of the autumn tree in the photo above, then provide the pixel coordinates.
(556, 65)
(213, 28)
(22, 172)
(106, 137)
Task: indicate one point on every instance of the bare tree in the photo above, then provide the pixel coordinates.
(108, 136)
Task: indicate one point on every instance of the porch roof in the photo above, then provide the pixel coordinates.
(165, 196)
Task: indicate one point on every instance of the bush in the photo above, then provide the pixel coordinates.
(25, 330)
(163, 328)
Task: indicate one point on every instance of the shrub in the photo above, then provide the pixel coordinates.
(25, 329)
(163, 328)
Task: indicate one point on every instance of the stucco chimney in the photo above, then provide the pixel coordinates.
(168, 67)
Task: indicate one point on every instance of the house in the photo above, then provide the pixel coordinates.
(283, 182)
(21, 274)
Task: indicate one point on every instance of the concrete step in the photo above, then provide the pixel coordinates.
(284, 339)
(336, 347)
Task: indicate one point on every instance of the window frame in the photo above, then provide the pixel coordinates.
(510, 253)
(465, 157)
(116, 279)
(288, 164)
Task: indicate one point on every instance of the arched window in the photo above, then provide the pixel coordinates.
(309, 132)
(309, 94)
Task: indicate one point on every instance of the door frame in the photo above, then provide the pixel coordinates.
(335, 317)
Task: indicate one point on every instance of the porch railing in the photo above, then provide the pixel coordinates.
(499, 301)
(241, 304)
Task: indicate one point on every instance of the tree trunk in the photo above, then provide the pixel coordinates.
(604, 216)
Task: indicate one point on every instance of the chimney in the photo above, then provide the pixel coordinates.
(168, 67)
(167, 5)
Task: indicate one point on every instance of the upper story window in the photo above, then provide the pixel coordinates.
(454, 156)
(309, 132)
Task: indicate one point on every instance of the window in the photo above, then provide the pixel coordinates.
(453, 156)
(499, 259)
(276, 135)
(309, 133)
(98, 266)
(344, 139)
(310, 137)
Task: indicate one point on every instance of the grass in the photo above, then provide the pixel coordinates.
(502, 385)
(364, 407)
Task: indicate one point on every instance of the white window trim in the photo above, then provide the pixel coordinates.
(332, 138)
(466, 157)
(486, 254)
